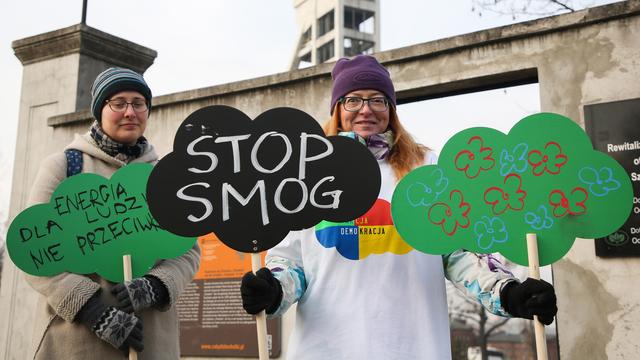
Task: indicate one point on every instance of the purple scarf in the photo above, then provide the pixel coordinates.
(379, 144)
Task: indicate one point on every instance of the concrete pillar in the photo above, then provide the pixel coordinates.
(58, 70)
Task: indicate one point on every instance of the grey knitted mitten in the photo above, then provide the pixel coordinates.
(135, 295)
(116, 327)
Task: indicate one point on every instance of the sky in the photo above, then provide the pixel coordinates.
(205, 43)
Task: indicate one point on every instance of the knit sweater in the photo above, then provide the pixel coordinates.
(55, 335)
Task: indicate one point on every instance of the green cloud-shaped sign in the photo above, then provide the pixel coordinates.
(89, 224)
(489, 190)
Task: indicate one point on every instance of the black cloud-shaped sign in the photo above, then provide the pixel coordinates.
(251, 182)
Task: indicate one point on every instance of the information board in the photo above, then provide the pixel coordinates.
(614, 128)
(212, 320)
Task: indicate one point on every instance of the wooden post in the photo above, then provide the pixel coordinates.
(261, 318)
(126, 262)
(534, 272)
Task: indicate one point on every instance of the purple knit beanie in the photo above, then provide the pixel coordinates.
(361, 72)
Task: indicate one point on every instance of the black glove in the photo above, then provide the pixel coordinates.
(532, 297)
(140, 293)
(260, 291)
(114, 326)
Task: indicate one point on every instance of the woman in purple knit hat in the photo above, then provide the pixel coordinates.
(371, 296)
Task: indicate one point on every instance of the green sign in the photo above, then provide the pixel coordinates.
(89, 224)
(489, 190)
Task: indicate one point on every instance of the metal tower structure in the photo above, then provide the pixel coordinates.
(331, 29)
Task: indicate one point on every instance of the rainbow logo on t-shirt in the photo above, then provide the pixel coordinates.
(372, 233)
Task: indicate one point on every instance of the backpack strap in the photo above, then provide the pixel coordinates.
(74, 161)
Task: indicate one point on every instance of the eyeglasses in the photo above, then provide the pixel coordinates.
(120, 105)
(354, 103)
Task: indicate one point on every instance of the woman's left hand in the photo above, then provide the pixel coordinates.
(140, 293)
(532, 297)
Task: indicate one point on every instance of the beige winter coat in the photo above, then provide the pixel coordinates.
(62, 296)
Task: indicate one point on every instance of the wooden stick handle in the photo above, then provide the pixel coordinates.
(128, 275)
(534, 272)
(261, 318)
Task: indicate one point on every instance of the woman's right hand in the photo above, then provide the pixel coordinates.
(260, 291)
(111, 325)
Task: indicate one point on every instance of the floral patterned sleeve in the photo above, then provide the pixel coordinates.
(291, 279)
(479, 277)
(285, 263)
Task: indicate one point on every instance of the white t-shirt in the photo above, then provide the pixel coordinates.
(385, 306)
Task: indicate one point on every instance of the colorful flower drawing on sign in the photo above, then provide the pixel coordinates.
(372, 233)
(574, 204)
(510, 197)
(539, 219)
(489, 231)
(600, 182)
(475, 159)
(551, 183)
(549, 160)
(426, 193)
(514, 161)
(451, 217)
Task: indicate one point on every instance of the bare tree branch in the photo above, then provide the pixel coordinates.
(515, 8)
(465, 317)
(495, 326)
(565, 6)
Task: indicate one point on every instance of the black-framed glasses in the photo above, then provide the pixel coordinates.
(120, 105)
(355, 103)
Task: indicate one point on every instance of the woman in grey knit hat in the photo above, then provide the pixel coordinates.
(86, 316)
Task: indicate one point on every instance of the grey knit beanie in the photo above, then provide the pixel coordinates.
(115, 80)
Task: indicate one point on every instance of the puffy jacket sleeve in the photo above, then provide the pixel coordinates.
(479, 277)
(65, 293)
(285, 262)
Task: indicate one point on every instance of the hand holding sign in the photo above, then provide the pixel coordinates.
(490, 189)
(89, 224)
(251, 182)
